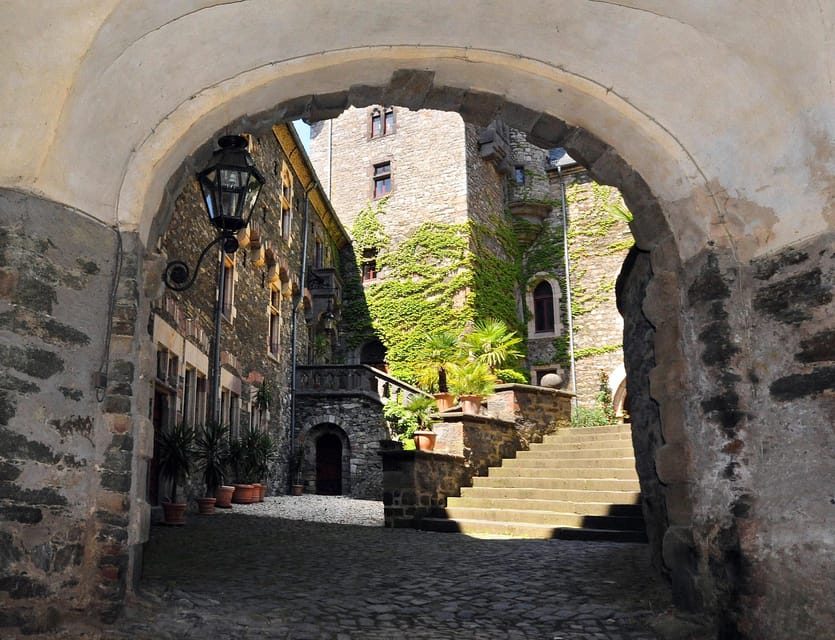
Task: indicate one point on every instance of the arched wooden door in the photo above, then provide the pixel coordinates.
(329, 465)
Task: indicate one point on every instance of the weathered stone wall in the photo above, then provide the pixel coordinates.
(66, 447)
(360, 417)
(482, 441)
(647, 438)
(598, 244)
(533, 161)
(427, 154)
(536, 411)
(727, 472)
(246, 336)
(784, 508)
(486, 197)
(416, 483)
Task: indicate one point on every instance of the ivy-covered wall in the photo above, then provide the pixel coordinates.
(443, 260)
(598, 242)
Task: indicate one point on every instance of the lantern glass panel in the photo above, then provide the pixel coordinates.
(207, 187)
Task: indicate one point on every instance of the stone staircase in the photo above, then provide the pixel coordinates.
(577, 484)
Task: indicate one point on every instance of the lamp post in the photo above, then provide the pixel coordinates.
(230, 187)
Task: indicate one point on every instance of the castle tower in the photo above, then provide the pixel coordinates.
(453, 222)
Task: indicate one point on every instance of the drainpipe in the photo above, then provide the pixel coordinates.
(302, 285)
(567, 259)
(330, 157)
(214, 408)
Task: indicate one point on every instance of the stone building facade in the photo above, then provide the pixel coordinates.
(269, 299)
(424, 178)
(508, 192)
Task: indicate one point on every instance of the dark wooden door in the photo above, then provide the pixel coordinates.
(329, 465)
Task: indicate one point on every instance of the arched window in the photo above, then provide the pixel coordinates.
(543, 308)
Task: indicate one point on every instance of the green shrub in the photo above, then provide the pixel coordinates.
(513, 376)
(589, 417)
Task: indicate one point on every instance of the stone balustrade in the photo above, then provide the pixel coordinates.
(350, 379)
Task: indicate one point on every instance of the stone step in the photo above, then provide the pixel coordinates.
(591, 433)
(572, 454)
(550, 518)
(557, 506)
(581, 484)
(527, 493)
(561, 445)
(570, 463)
(576, 484)
(544, 469)
(522, 530)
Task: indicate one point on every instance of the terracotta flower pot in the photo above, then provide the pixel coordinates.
(444, 401)
(243, 494)
(425, 440)
(262, 491)
(174, 513)
(223, 495)
(206, 506)
(298, 489)
(471, 404)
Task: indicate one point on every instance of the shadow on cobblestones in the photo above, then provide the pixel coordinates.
(240, 576)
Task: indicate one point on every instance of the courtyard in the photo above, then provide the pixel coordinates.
(251, 574)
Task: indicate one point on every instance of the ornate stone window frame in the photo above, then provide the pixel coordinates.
(533, 334)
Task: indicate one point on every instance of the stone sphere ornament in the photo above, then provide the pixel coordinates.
(551, 381)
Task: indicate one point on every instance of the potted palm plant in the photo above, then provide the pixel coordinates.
(265, 454)
(471, 381)
(493, 343)
(440, 349)
(239, 464)
(175, 460)
(419, 407)
(244, 456)
(211, 454)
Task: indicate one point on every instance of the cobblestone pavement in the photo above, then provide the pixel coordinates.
(243, 576)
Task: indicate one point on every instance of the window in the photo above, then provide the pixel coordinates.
(190, 396)
(275, 322)
(235, 412)
(286, 200)
(382, 122)
(369, 264)
(229, 411)
(285, 222)
(200, 402)
(318, 255)
(519, 172)
(167, 367)
(543, 308)
(228, 302)
(382, 179)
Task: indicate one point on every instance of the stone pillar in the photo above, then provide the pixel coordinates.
(67, 438)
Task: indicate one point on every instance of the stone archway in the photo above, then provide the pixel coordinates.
(736, 260)
(325, 458)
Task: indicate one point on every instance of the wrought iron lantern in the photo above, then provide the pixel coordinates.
(230, 186)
